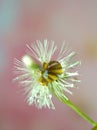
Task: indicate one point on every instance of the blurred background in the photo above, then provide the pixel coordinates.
(24, 21)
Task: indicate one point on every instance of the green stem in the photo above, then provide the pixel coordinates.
(77, 110)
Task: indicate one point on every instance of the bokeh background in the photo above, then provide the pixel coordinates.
(24, 21)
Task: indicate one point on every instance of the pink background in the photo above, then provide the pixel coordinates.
(22, 22)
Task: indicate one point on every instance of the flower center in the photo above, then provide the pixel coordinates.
(50, 72)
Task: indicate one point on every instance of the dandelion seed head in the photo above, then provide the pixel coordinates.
(48, 75)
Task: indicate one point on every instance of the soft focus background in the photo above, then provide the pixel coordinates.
(24, 21)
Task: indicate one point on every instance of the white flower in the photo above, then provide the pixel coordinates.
(46, 71)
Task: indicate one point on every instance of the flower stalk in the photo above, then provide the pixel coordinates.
(94, 128)
(79, 112)
(76, 109)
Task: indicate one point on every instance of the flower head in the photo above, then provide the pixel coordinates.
(46, 71)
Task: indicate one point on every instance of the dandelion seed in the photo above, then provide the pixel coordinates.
(46, 75)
